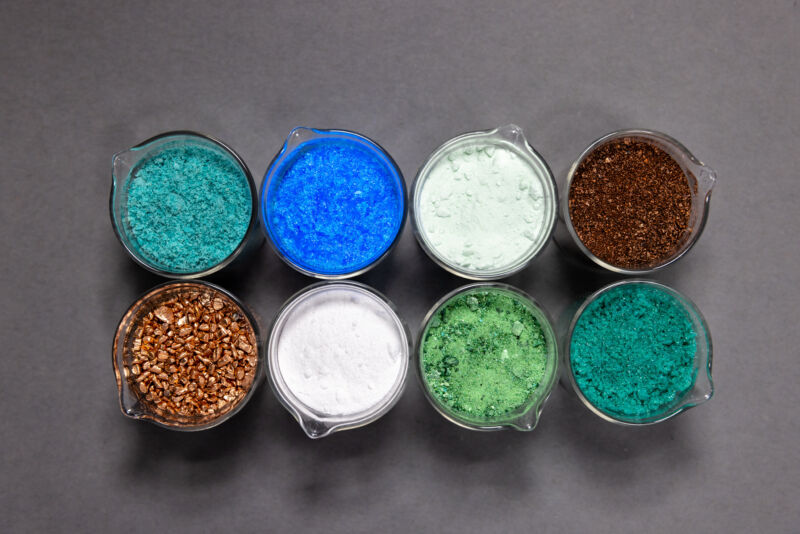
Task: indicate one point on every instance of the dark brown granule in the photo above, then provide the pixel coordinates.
(193, 357)
(629, 203)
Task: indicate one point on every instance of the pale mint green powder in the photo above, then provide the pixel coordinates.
(483, 205)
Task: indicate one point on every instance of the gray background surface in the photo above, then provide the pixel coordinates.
(83, 80)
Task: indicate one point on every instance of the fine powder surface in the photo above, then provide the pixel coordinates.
(482, 206)
(335, 206)
(188, 207)
(630, 204)
(340, 351)
(632, 351)
(484, 354)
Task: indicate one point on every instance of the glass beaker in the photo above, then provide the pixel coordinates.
(475, 219)
(300, 229)
(133, 402)
(124, 169)
(310, 412)
(701, 180)
(526, 415)
(702, 387)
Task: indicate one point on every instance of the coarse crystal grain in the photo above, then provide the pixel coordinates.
(482, 206)
(187, 207)
(484, 354)
(632, 351)
(341, 351)
(335, 206)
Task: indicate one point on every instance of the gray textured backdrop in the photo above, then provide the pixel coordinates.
(82, 80)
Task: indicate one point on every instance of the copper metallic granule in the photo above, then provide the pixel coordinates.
(192, 357)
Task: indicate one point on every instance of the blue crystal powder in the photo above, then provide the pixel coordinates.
(334, 205)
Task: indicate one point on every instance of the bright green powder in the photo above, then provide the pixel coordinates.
(632, 352)
(188, 207)
(484, 354)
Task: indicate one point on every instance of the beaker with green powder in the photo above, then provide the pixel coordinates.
(487, 357)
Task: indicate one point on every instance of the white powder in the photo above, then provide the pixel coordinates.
(483, 206)
(341, 351)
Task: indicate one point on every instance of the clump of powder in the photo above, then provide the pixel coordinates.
(341, 350)
(483, 207)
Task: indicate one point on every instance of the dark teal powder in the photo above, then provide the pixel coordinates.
(188, 207)
(632, 352)
(335, 205)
